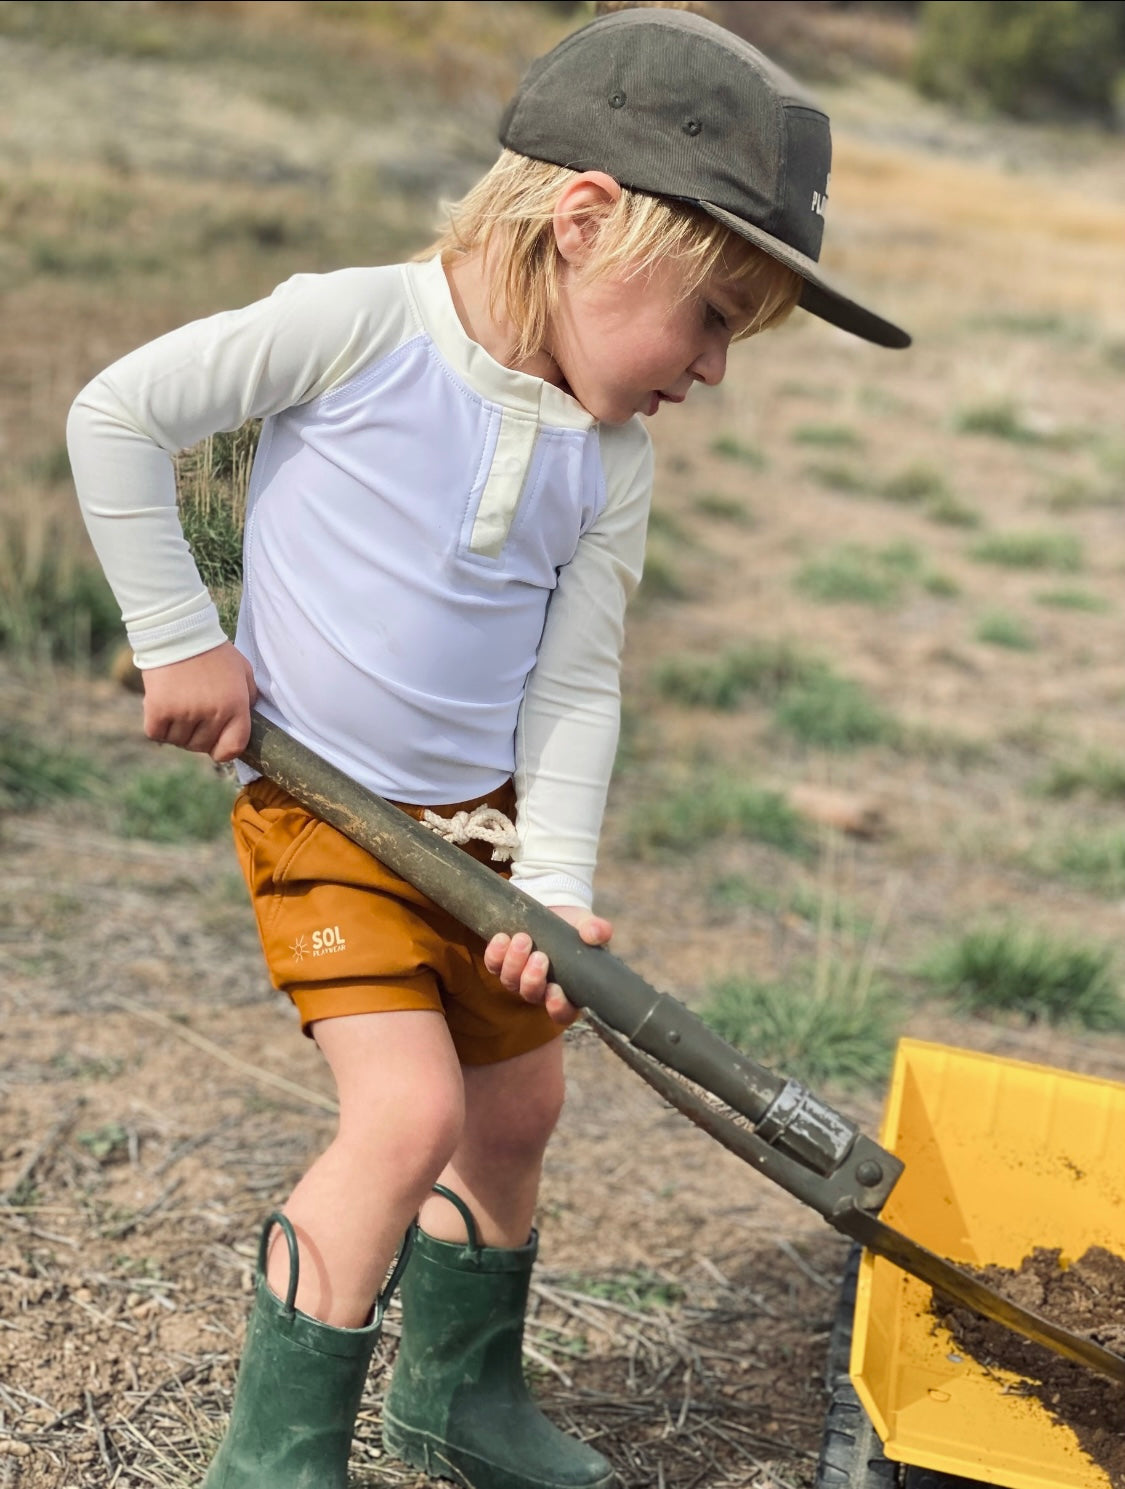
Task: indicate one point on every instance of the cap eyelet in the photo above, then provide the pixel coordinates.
(617, 100)
(692, 126)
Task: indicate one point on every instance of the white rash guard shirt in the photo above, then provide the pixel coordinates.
(438, 549)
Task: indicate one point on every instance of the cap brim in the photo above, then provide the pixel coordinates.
(817, 297)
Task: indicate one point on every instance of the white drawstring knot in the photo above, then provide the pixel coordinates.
(486, 824)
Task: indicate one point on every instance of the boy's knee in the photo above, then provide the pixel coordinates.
(545, 1106)
(521, 1123)
(433, 1128)
(419, 1136)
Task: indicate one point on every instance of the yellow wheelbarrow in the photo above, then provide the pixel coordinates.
(1000, 1157)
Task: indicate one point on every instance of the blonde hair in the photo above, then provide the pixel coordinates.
(508, 217)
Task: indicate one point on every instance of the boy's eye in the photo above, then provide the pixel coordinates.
(715, 316)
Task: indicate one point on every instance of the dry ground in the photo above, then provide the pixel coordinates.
(156, 1100)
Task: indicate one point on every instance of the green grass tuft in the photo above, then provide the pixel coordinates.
(914, 484)
(1034, 976)
(1074, 599)
(833, 713)
(723, 508)
(1031, 550)
(175, 805)
(811, 702)
(33, 774)
(212, 478)
(828, 436)
(1001, 418)
(999, 628)
(55, 605)
(1077, 493)
(51, 467)
(1095, 774)
(763, 671)
(950, 511)
(851, 574)
(696, 815)
(836, 476)
(942, 586)
(843, 1033)
(728, 447)
(732, 892)
(641, 1290)
(666, 525)
(662, 579)
(1095, 861)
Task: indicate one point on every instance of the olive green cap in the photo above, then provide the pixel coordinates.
(669, 103)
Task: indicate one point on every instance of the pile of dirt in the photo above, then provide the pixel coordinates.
(1086, 1297)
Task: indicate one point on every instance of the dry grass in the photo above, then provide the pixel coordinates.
(949, 224)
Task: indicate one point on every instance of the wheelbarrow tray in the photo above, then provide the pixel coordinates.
(1001, 1157)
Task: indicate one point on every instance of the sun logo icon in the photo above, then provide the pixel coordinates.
(300, 949)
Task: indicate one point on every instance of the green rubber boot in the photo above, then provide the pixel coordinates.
(458, 1405)
(298, 1390)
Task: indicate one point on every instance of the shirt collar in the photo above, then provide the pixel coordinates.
(519, 391)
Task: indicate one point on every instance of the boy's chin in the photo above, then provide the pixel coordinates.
(611, 411)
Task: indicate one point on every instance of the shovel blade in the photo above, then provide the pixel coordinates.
(920, 1262)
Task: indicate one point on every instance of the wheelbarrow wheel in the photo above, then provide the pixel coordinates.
(851, 1453)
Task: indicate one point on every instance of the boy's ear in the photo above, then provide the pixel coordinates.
(579, 210)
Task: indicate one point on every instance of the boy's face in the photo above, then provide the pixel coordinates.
(625, 344)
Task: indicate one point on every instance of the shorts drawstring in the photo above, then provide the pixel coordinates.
(486, 824)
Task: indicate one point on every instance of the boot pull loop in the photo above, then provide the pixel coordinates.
(473, 1243)
(283, 1222)
(384, 1298)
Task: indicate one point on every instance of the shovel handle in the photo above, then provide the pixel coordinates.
(592, 977)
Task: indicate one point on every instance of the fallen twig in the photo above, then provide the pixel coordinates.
(126, 1227)
(216, 1051)
(99, 1433)
(50, 1142)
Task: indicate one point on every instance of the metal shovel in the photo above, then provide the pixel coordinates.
(796, 1140)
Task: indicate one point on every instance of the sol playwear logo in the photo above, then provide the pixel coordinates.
(321, 943)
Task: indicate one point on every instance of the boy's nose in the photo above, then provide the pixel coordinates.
(711, 365)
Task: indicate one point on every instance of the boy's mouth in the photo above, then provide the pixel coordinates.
(658, 398)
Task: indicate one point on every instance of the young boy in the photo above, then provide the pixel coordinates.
(446, 515)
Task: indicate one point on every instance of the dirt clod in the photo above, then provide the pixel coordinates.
(1087, 1297)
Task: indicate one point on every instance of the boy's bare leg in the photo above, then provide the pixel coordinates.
(401, 1112)
(511, 1109)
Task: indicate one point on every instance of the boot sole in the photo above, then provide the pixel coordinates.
(440, 1461)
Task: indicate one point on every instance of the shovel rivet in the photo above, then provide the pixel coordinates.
(869, 1173)
(673, 1036)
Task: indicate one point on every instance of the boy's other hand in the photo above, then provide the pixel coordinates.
(203, 703)
(524, 970)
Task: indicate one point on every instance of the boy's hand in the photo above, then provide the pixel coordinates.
(203, 703)
(523, 970)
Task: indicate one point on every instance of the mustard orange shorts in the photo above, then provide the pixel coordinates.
(343, 934)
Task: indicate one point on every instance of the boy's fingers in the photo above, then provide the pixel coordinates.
(495, 952)
(515, 962)
(595, 931)
(232, 740)
(559, 1008)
